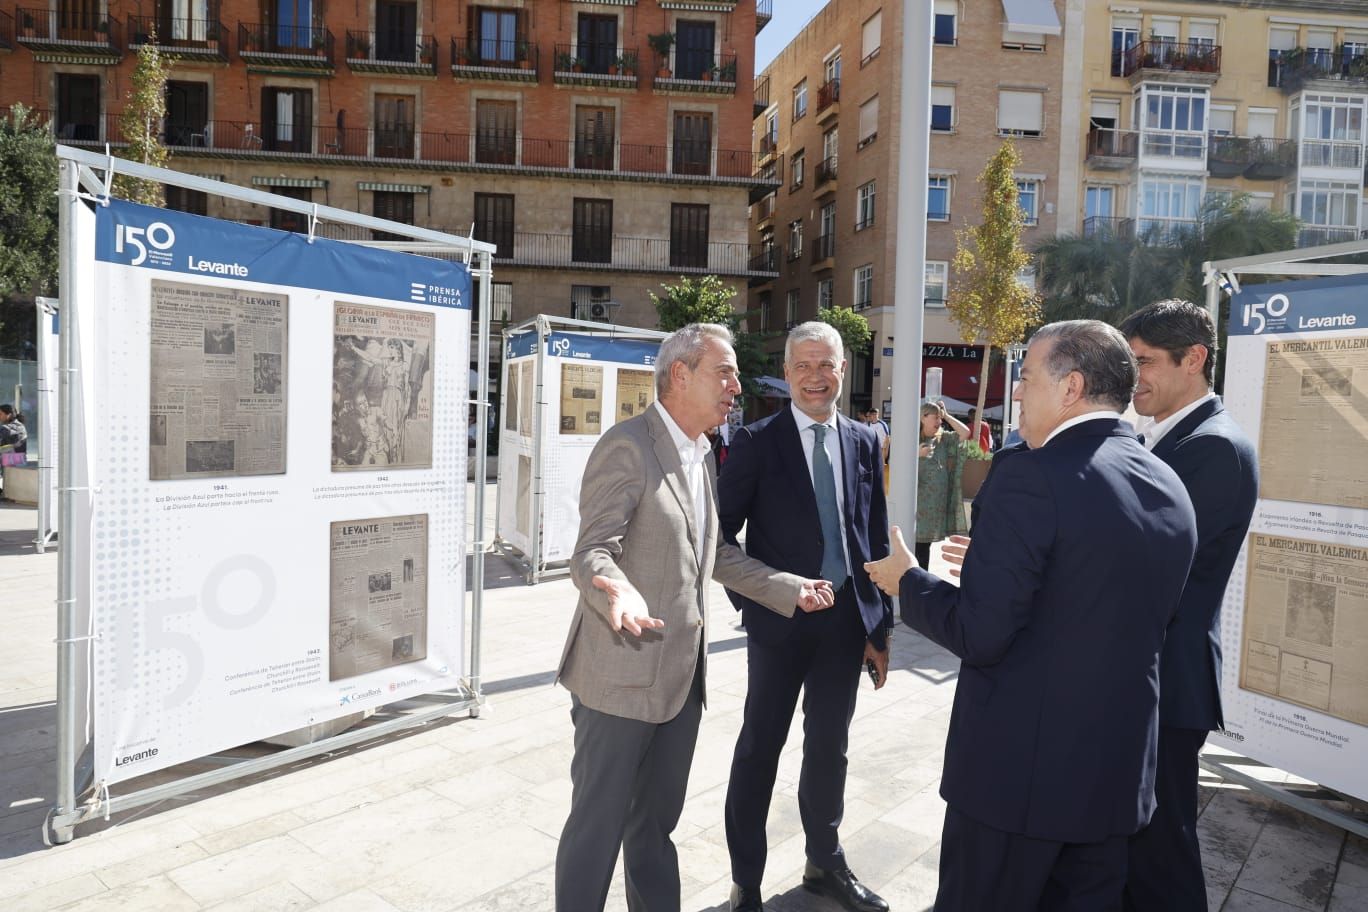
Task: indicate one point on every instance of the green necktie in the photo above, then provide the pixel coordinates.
(824, 484)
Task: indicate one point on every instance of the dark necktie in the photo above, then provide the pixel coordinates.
(824, 485)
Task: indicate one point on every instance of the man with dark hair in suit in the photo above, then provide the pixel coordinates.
(1175, 345)
(808, 485)
(1076, 566)
(636, 655)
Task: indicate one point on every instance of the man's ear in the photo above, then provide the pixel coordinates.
(1195, 358)
(1074, 388)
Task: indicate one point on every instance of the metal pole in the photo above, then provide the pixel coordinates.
(67, 722)
(538, 451)
(909, 271)
(45, 307)
(486, 275)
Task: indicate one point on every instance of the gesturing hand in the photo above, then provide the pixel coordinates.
(627, 609)
(887, 573)
(816, 595)
(954, 551)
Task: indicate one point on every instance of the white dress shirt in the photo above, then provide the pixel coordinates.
(832, 444)
(1079, 419)
(1155, 432)
(691, 454)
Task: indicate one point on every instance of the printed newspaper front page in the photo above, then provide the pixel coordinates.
(382, 388)
(218, 381)
(635, 391)
(1315, 422)
(581, 399)
(378, 576)
(1306, 624)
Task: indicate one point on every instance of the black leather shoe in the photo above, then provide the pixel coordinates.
(746, 899)
(843, 886)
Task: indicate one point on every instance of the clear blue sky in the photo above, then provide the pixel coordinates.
(789, 18)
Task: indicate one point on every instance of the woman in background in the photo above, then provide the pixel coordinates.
(940, 507)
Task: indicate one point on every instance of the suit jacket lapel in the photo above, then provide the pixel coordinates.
(850, 465)
(792, 447)
(667, 454)
(1187, 426)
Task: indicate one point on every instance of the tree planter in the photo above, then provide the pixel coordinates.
(972, 475)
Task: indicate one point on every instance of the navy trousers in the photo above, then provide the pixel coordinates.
(822, 657)
(1165, 870)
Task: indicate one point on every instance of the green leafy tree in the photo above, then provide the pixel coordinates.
(141, 122)
(708, 300)
(853, 327)
(28, 225)
(986, 298)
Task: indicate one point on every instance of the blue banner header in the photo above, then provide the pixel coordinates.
(521, 345)
(1309, 305)
(167, 241)
(602, 348)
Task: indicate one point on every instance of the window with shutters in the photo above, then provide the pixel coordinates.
(394, 126)
(393, 206)
(864, 206)
(869, 122)
(396, 30)
(795, 297)
(871, 37)
(592, 238)
(864, 286)
(496, 132)
(594, 138)
(187, 113)
(800, 100)
(1125, 34)
(695, 44)
(688, 236)
(692, 142)
(1021, 113)
(285, 220)
(287, 120)
(946, 29)
(597, 45)
(943, 108)
(495, 36)
(494, 221)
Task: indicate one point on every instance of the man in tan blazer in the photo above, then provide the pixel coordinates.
(636, 653)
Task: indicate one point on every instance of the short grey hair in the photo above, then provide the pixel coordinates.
(686, 345)
(813, 330)
(1096, 350)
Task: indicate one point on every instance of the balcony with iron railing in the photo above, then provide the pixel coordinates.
(68, 32)
(764, 12)
(285, 47)
(1188, 145)
(1164, 232)
(1340, 68)
(769, 144)
(699, 73)
(823, 250)
(602, 66)
(1107, 226)
(182, 39)
(765, 209)
(630, 254)
(762, 96)
(487, 58)
(1325, 153)
(1254, 157)
(828, 94)
(1194, 59)
(1112, 150)
(825, 172)
(393, 51)
(1320, 235)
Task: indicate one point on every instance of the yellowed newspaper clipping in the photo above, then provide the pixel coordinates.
(1306, 624)
(581, 399)
(378, 608)
(635, 392)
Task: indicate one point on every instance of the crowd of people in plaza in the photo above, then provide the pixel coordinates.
(1091, 572)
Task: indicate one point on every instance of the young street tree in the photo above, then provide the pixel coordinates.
(853, 327)
(28, 225)
(708, 300)
(986, 298)
(141, 124)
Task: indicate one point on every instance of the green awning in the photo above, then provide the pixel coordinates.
(393, 188)
(288, 182)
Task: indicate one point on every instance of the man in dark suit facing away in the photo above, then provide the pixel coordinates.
(1175, 345)
(1077, 562)
(808, 484)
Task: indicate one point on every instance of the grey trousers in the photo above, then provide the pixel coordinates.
(629, 779)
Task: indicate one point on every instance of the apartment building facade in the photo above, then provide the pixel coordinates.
(827, 118)
(1187, 100)
(603, 146)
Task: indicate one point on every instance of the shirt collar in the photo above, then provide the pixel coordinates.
(693, 450)
(1079, 419)
(804, 421)
(1155, 432)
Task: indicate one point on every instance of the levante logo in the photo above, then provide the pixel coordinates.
(154, 242)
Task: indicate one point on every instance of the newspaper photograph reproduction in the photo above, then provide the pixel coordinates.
(218, 372)
(382, 388)
(377, 594)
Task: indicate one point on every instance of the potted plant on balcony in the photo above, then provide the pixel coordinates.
(661, 44)
(564, 62)
(520, 50)
(627, 63)
(727, 72)
(26, 25)
(708, 73)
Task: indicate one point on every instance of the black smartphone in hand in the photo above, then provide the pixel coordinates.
(873, 671)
